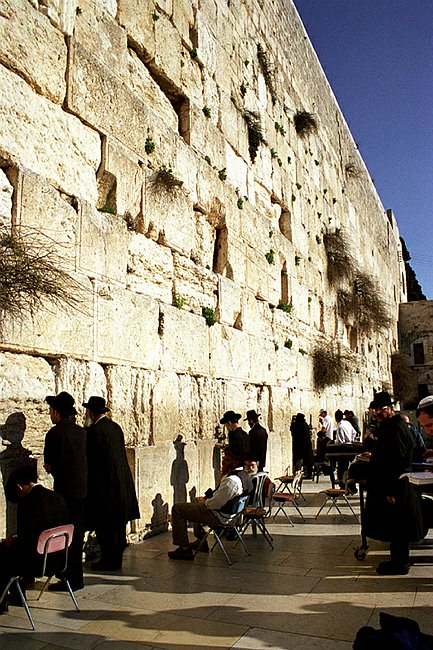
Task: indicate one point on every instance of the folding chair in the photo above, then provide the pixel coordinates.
(286, 481)
(255, 513)
(282, 499)
(332, 495)
(219, 529)
(52, 540)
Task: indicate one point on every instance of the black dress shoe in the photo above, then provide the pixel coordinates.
(61, 586)
(4, 606)
(391, 569)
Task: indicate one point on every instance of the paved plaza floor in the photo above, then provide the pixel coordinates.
(309, 592)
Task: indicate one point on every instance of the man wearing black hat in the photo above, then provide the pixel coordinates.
(237, 449)
(111, 500)
(393, 511)
(258, 438)
(65, 458)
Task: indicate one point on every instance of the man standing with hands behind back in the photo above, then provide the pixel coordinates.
(258, 439)
(112, 501)
(65, 458)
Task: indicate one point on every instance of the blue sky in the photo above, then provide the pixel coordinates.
(378, 57)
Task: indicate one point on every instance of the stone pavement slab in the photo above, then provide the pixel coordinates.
(309, 591)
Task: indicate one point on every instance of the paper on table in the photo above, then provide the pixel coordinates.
(419, 478)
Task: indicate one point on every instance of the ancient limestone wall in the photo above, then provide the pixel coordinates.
(416, 329)
(100, 98)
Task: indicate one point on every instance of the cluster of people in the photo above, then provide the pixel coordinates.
(244, 456)
(93, 489)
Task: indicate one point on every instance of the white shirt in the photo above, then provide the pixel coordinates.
(345, 433)
(230, 487)
(327, 423)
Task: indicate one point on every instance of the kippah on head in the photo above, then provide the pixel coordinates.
(426, 401)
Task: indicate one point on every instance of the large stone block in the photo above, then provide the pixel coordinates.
(230, 353)
(130, 394)
(150, 268)
(136, 17)
(170, 211)
(155, 494)
(121, 171)
(229, 301)
(167, 46)
(47, 218)
(127, 329)
(99, 33)
(102, 99)
(33, 48)
(165, 407)
(62, 13)
(185, 341)
(103, 251)
(196, 285)
(81, 379)
(40, 136)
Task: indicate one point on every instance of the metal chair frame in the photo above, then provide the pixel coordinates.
(219, 529)
(255, 512)
(50, 541)
(332, 495)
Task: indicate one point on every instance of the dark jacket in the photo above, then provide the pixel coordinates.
(65, 451)
(111, 490)
(391, 457)
(38, 510)
(258, 440)
(238, 443)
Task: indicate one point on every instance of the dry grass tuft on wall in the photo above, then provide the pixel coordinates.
(370, 309)
(31, 276)
(330, 367)
(341, 264)
(305, 123)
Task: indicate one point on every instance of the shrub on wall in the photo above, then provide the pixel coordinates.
(330, 367)
(255, 132)
(341, 264)
(305, 123)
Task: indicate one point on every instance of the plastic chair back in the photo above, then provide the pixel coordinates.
(55, 539)
(257, 498)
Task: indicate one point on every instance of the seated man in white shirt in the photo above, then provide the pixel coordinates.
(212, 511)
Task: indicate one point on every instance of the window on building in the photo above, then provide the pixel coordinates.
(418, 353)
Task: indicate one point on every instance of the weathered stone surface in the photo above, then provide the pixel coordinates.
(120, 182)
(150, 268)
(6, 191)
(134, 339)
(99, 33)
(103, 244)
(136, 17)
(41, 137)
(62, 12)
(230, 353)
(185, 341)
(31, 46)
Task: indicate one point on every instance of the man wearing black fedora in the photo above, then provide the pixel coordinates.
(112, 500)
(393, 509)
(65, 458)
(258, 438)
(237, 448)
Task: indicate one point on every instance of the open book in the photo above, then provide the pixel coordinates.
(419, 478)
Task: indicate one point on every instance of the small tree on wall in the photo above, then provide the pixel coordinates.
(31, 276)
(330, 366)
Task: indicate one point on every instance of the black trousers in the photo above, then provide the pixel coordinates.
(112, 541)
(74, 572)
(399, 551)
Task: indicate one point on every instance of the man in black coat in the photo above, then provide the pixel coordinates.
(38, 509)
(393, 509)
(237, 448)
(65, 458)
(112, 500)
(258, 438)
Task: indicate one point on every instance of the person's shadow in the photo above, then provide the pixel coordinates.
(12, 457)
(179, 472)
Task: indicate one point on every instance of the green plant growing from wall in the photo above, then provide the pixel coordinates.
(243, 89)
(164, 179)
(297, 260)
(178, 300)
(206, 111)
(155, 16)
(280, 162)
(352, 170)
(302, 351)
(370, 347)
(193, 53)
(273, 153)
(286, 307)
(149, 145)
(334, 200)
(209, 316)
(240, 203)
(208, 160)
(293, 198)
(107, 209)
(270, 256)
(318, 240)
(279, 128)
(267, 71)
(276, 346)
(317, 163)
(298, 185)
(340, 261)
(31, 275)
(78, 11)
(255, 132)
(288, 343)
(222, 174)
(305, 123)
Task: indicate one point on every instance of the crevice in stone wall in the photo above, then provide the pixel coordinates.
(238, 324)
(106, 183)
(221, 264)
(151, 438)
(284, 281)
(322, 316)
(174, 94)
(285, 224)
